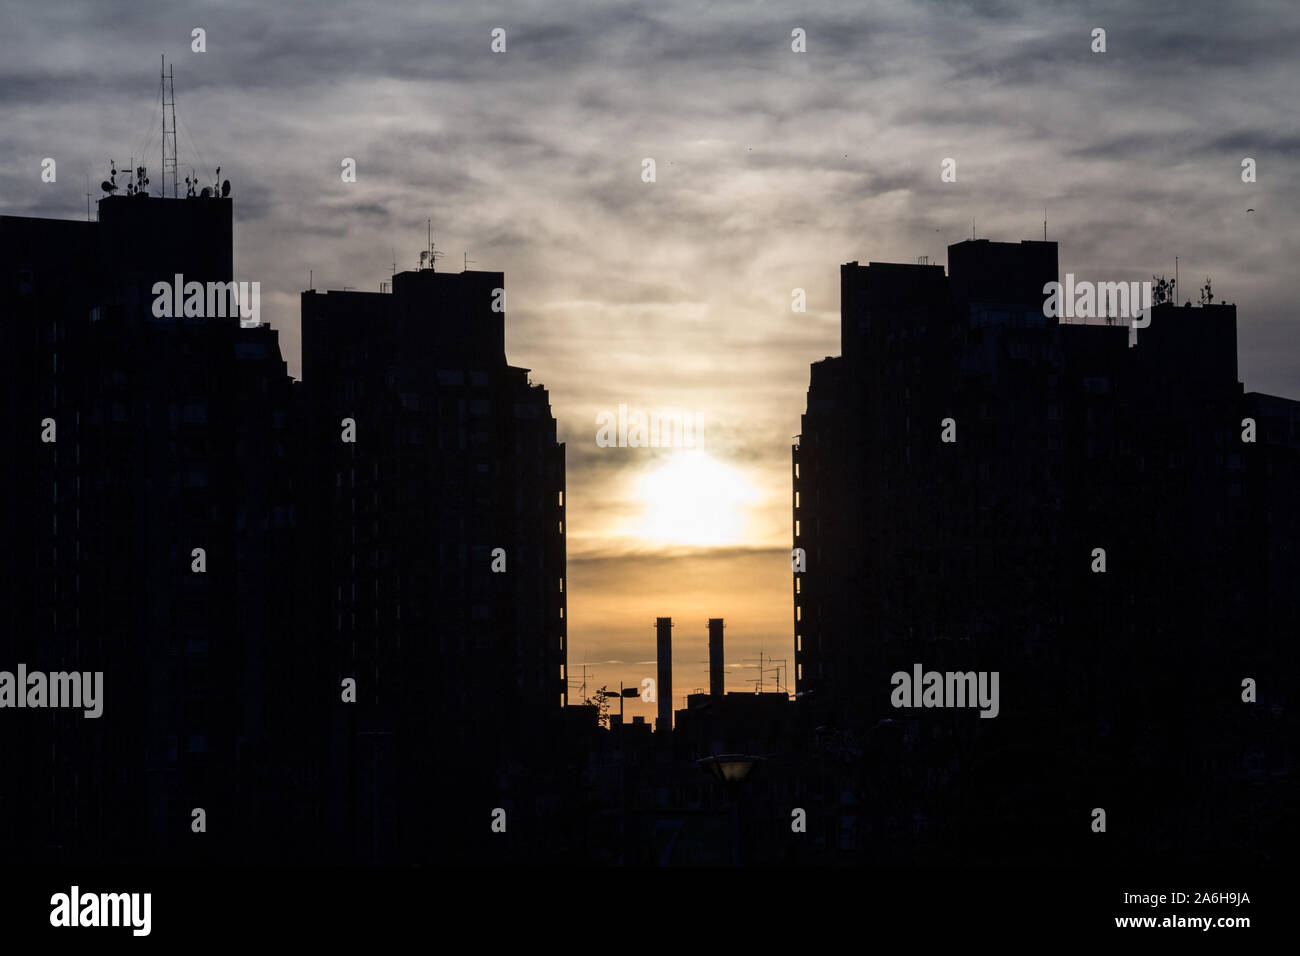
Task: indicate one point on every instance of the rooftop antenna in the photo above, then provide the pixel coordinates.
(468, 260)
(758, 682)
(429, 255)
(781, 665)
(87, 197)
(1044, 224)
(167, 86)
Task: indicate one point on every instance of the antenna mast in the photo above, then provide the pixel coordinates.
(167, 85)
(758, 683)
(430, 255)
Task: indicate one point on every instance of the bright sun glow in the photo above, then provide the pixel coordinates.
(694, 499)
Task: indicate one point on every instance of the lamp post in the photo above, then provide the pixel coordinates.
(731, 770)
(623, 694)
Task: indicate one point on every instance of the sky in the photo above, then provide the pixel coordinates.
(772, 167)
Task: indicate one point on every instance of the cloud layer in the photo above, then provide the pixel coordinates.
(772, 169)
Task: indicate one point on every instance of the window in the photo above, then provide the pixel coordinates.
(1097, 385)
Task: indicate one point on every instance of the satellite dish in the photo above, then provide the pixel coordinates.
(107, 186)
(207, 193)
(225, 189)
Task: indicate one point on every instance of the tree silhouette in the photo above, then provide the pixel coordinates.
(601, 703)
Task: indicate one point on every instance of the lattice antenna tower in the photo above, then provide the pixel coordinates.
(167, 88)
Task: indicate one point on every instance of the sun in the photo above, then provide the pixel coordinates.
(694, 499)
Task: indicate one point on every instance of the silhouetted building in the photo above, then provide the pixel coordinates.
(166, 435)
(981, 487)
(437, 509)
(193, 524)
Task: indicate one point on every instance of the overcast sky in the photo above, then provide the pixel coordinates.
(773, 167)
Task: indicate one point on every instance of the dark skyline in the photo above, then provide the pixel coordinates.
(310, 599)
(791, 164)
(550, 442)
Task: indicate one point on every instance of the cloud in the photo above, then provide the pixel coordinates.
(772, 169)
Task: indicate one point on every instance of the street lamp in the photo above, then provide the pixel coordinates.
(731, 771)
(622, 695)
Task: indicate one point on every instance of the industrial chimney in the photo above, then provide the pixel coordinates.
(715, 657)
(664, 655)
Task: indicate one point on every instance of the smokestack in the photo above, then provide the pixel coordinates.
(664, 655)
(715, 657)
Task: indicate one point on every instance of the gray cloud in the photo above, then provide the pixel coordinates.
(773, 168)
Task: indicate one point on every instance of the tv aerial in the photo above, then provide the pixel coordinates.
(430, 256)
